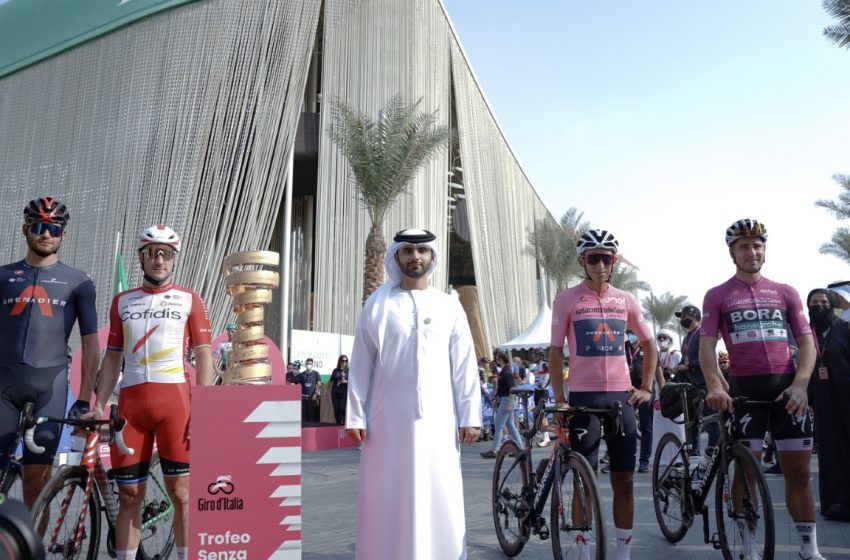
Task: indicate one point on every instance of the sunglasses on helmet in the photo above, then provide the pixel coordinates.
(596, 258)
(37, 228)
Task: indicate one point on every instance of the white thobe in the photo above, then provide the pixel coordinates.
(413, 381)
(660, 424)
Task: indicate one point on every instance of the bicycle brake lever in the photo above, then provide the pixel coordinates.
(29, 439)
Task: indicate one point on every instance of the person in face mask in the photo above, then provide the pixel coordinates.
(689, 370)
(829, 393)
(310, 384)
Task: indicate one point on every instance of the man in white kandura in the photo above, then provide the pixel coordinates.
(413, 397)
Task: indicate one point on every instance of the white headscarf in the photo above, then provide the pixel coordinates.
(393, 269)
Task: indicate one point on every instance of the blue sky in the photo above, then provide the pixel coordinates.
(665, 121)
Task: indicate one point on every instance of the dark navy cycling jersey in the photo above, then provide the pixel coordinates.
(38, 308)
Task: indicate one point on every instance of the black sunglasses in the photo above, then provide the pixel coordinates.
(37, 228)
(596, 258)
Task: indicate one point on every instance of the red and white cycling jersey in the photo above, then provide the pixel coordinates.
(155, 328)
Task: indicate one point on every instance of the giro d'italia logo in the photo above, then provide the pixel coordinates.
(222, 484)
(223, 487)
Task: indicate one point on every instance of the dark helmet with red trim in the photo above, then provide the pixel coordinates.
(46, 209)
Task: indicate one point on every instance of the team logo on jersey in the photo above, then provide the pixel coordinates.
(151, 314)
(36, 295)
(19, 272)
(597, 337)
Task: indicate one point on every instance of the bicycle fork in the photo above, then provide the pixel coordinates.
(88, 462)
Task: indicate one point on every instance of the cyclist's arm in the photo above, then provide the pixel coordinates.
(556, 356)
(203, 365)
(88, 365)
(85, 296)
(110, 367)
(797, 393)
(708, 362)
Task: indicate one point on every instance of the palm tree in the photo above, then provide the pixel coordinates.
(554, 246)
(841, 207)
(840, 244)
(840, 32)
(384, 156)
(660, 309)
(625, 278)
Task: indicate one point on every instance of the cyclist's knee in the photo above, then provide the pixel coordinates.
(178, 490)
(130, 495)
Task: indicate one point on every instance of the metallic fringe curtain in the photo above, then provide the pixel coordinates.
(373, 50)
(186, 118)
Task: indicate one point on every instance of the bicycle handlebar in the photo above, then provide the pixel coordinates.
(116, 429)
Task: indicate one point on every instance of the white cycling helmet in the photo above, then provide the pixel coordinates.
(745, 227)
(159, 235)
(597, 239)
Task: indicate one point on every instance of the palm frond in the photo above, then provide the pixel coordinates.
(385, 154)
(838, 33)
(839, 246)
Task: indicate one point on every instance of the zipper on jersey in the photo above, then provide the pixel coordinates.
(29, 313)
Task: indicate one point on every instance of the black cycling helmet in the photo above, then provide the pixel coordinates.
(46, 209)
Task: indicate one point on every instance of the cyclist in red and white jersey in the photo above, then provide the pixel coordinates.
(593, 318)
(754, 315)
(151, 329)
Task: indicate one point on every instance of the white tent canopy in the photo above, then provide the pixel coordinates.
(537, 335)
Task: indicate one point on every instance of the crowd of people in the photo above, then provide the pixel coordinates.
(773, 351)
(320, 402)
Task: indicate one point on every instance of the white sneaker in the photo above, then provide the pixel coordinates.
(817, 556)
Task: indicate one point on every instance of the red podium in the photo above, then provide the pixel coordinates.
(245, 489)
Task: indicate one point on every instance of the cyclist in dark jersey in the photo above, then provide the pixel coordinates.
(40, 300)
(754, 315)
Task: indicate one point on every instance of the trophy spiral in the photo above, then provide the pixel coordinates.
(249, 282)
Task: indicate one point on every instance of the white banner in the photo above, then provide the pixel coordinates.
(324, 348)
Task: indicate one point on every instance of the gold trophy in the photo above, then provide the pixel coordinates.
(249, 282)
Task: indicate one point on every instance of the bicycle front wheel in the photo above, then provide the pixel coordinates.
(157, 516)
(670, 490)
(743, 508)
(69, 521)
(578, 525)
(509, 504)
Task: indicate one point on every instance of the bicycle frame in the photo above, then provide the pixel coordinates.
(97, 482)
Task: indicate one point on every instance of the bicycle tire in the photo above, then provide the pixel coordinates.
(577, 474)
(508, 499)
(157, 516)
(757, 507)
(670, 492)
(65, 493)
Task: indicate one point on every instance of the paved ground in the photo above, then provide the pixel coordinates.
(329, 512)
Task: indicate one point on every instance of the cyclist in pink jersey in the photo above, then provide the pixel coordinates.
(151, 329)
(592, 318)
(756, 317)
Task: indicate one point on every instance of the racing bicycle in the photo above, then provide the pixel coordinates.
(520, 491)
(743, 507)
(68, 510)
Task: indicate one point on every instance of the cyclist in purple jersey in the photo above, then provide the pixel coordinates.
(754, 315)
(40, 300)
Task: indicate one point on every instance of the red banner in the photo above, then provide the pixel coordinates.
(245, 489)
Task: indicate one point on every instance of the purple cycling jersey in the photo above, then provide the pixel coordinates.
(754, 320)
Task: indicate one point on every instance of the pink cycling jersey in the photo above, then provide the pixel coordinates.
(594, 327)
(754, 320)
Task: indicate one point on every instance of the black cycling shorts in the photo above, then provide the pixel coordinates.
(750, 422)
(47, 389)
(586, 430)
